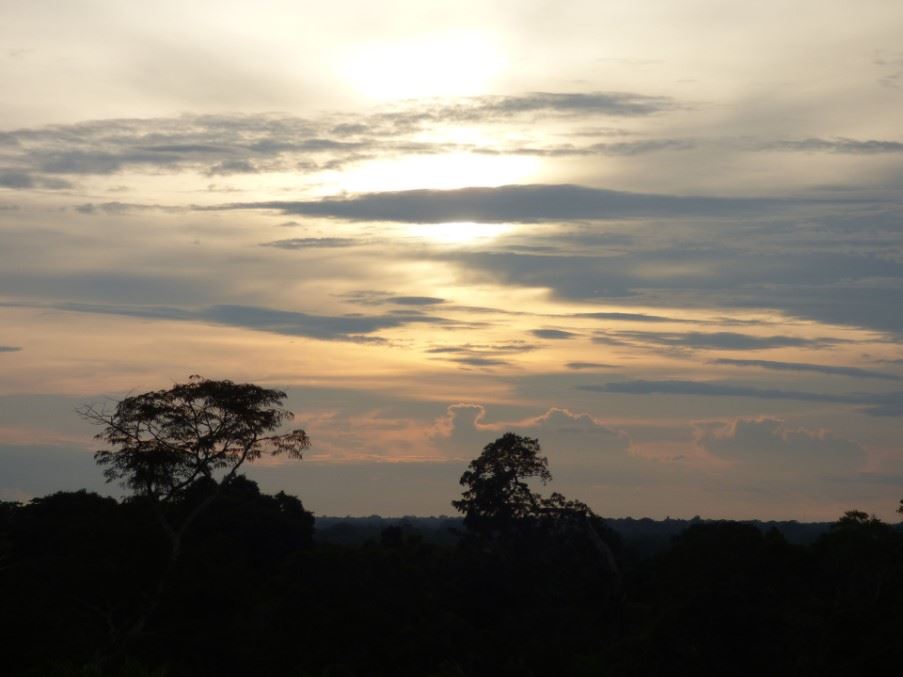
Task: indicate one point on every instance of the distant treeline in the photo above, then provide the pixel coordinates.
(258, 591)
(645, 534)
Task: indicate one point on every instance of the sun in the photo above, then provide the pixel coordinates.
(448, 63)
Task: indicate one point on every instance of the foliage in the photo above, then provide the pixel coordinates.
(254, 594)
(165, 440)
(497, 494)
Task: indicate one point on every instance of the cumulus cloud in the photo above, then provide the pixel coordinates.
(566, 436)
(772, 445)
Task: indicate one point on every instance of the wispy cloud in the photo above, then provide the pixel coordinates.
(814, 368)
(519, 203)
(554, 334)
(723, 340)
(311, 243)
(875, 404)
(354, 328)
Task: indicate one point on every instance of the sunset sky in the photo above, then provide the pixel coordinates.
(665, 238)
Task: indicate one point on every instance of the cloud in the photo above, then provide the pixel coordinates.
(506, 348)
(10, 349)
(566, 436)
(838, 145)
(116, 208)
(21, 180)
(843, 286)
(486, 355)
(311, 243)
(372, 297)
(15, 179)
(722, 340)
(628, 317)
(228, 167)
(815, 368)
(555, 334)
(875, 404)
(518, 203)
(414, 115)
(772, 445)
(354, 328)
(222, 145)
(598, 103)
(415, 300)
(610, 149)
(590, 365)
(476, 361)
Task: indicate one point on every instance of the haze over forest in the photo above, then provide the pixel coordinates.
(665, 239)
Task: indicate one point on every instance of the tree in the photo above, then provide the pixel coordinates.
(497, 495)
(178, 449)
(165, 440)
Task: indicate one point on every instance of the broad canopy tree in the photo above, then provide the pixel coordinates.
(178, 449)
(499, 504)
(498, 498)
(497, 494)
(166, 440)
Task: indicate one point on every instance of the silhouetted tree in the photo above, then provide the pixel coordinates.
(165, 440)
(497, 495)
(169, 447)
(499, 500)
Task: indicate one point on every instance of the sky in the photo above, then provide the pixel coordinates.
(665, 239)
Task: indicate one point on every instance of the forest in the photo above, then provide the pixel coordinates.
(195, 572)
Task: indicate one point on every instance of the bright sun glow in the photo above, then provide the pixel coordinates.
(462, 232)
(451, 63)
(439, 172)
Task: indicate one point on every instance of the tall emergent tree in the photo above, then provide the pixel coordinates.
(498, 502)
(178, 449)
(497, 495)
(165, 440)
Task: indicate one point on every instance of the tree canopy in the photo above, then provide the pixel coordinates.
(164, 440)
(497, 494)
